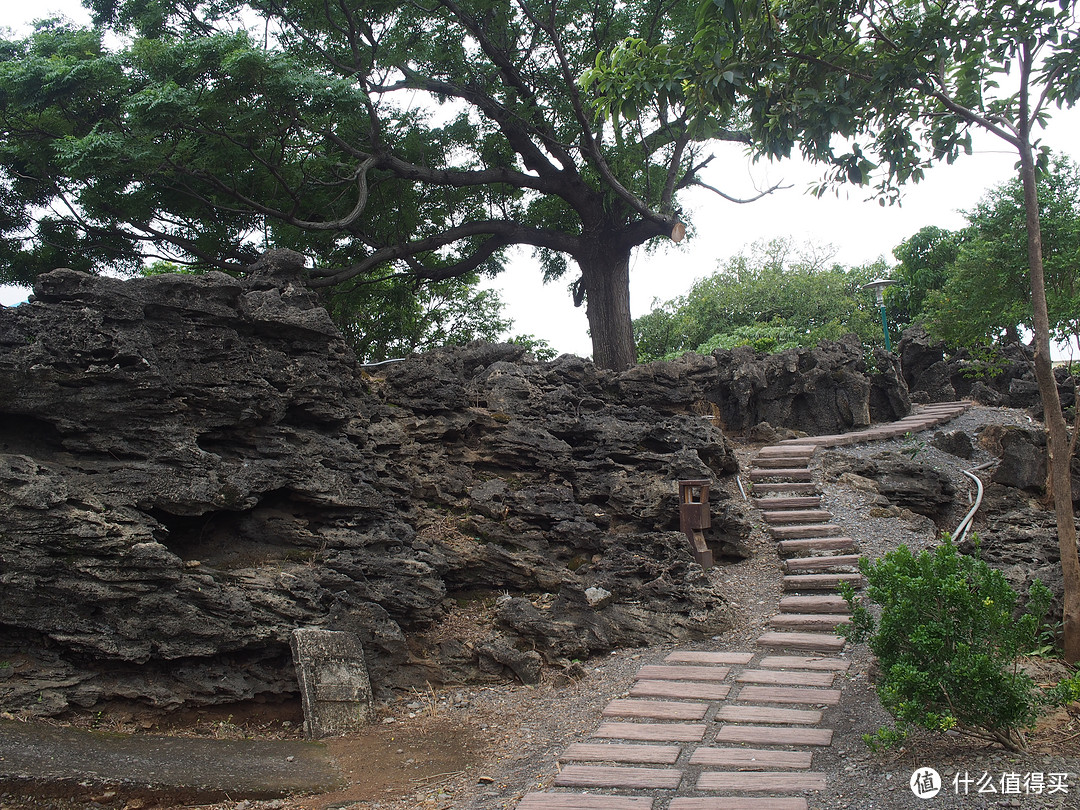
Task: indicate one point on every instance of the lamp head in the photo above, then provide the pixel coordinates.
(878, 286)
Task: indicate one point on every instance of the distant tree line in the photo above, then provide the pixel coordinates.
(968, 287)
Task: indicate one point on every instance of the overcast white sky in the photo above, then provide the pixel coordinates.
(858, 229)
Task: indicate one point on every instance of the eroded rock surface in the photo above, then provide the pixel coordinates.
(900, 479)
(193, 467)
(933, 374)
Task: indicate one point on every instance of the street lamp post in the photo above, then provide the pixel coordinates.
(878, 286)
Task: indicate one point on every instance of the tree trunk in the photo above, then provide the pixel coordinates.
(1057, 431)
(606, 276)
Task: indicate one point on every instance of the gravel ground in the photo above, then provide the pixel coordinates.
(506, 740)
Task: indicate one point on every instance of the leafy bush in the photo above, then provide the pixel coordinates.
(948, 643)
(772, 297)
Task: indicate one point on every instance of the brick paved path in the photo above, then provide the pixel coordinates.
(737, 730)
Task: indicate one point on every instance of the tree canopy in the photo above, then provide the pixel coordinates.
(381, 140)
(984, 295)
(877, 90)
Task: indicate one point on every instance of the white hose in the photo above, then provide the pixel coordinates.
(965, 524)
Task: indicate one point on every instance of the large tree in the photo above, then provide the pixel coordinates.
(380, 139)
(901, 84)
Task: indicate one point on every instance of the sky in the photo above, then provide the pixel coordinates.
(858, 229)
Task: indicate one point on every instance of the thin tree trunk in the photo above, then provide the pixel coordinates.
(607, 291)
(1057, 431)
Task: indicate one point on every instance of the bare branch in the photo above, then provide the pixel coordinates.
(589, 142)
(738, 200)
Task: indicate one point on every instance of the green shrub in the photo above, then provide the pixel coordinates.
(948, 643)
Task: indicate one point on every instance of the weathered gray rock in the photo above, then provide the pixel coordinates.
(1018, 535)
(954, 442)
(1016, 528)
(903, 481)
(1022, 458)
(934, 374)
(193, 467)
(1022, 454)
(889, 396)
(820, 390)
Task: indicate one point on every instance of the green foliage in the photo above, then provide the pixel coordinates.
(948, 641)
(912, 445)
(987, 294)
(925, 262)
(537, 347)
(772, 298)
(398, 317)
(376, 138)
(875, 91)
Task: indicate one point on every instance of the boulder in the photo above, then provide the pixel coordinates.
(902, 481)
(935, 374)
(954, 442)
(889, 396)
(819, 390)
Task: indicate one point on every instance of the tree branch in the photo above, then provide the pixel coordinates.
(589, 143)
(502, 234)
(738, 200)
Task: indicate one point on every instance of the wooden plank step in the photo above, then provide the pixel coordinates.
(819, 582)
(668, 672)
(805, 662)
(804, 530)
(781, 462)
(788, 473)
(814, 604)
(831, 440)
(812, 545)
(768, 781)
(707, 657)
(778, 502)
(605, 776)
(782, 678)
(823, 642)
(785, 694)
(583, 801)
(651, 732)
(774, 735)
(810, 622)
(696, 690)
(735, 803)
(792, 487)
(614, 752)
(655, 709)
(768, 714)
(789, 516)
(788, 450)
(822, 563)
(751, 758)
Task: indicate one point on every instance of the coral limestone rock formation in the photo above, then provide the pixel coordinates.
(193, 466)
